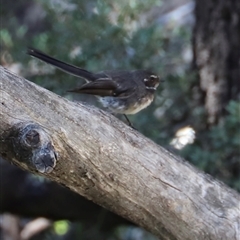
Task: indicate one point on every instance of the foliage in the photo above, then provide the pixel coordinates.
(61, 227)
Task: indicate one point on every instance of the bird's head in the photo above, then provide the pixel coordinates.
(151, 81)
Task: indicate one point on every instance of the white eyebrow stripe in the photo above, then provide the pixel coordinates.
(154, 76)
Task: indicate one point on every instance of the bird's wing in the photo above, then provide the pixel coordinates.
(103, 88)
(100, 88)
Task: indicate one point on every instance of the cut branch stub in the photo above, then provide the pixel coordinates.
(31, 145)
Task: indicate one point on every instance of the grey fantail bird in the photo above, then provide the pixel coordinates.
(125, 92)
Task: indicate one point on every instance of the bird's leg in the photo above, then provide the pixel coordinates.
(128, 121)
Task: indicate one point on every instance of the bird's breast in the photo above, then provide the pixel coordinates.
(129, 105)
(139, 105)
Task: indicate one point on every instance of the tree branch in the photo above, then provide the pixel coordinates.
(113, 165)
(37, 197)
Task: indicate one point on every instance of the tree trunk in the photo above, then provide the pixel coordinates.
(217, 53)
(113, 165)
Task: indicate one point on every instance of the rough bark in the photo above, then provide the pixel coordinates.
(113, 165)
(217, 53)
(31, 197)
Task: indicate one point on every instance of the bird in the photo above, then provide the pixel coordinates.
(119, 91)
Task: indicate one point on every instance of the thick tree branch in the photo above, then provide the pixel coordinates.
(113, 165)
(31, 197)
